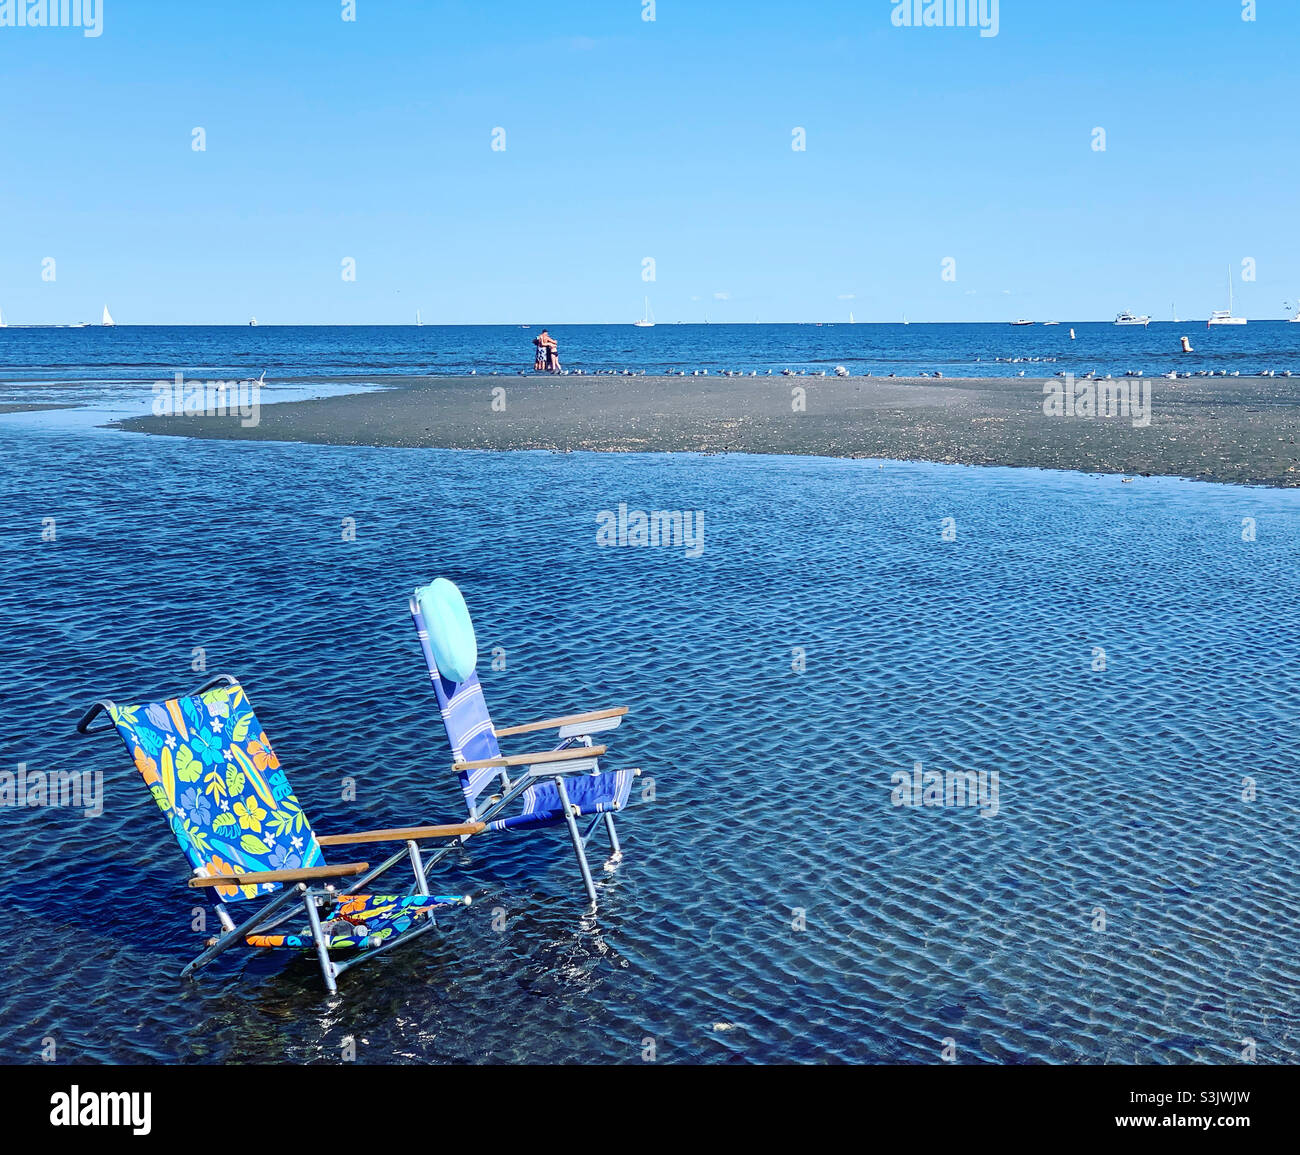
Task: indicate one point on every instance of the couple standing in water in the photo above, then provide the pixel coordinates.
(548, 353)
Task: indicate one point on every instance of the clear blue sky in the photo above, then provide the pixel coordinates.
(627, 139)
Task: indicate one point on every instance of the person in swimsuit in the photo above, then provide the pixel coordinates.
(542, 343)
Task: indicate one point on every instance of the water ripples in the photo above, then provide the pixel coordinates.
(774, 904)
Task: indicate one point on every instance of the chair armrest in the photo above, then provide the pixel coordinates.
(403, 834)
(556, 723)
(256, 877)
(566, 755)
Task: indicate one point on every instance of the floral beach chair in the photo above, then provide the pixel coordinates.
(212, 772)
(551, 787)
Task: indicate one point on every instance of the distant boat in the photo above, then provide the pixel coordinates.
(108, 320)
(905, 320)
(1173, 312)
(1051, 322)
(1224, 316)
(1127, 318)
(1022, 321)
(851, 320)
(647, 322)
(419, 324)
(1296, 319)
(252, 322)
(79, 325)
(2, 322)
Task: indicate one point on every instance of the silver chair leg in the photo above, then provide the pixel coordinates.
(322, 948)
(615, 848)
(421, 884)
(577, 840)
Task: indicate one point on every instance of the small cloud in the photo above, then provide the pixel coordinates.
(722, 296)
(848, 297)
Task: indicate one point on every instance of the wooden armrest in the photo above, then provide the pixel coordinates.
(256, 877)
(556, 723)
(403, 834)
(530, 759)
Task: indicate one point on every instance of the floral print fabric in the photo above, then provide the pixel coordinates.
(211, 770)
(357, 920)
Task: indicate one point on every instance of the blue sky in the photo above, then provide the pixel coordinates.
(627, 139)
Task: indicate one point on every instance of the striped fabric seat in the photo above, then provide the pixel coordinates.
(604, 793)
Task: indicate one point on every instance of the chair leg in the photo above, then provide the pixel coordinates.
(417, 867)
(615, 848)
(322, 948)
(577, 840)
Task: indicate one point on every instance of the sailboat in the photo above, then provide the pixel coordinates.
(1296, 319)
(647, 322)
(108, 320)
(851, 320)
(252, 322)
(2, 322)
(1224, 316)
(419, 324)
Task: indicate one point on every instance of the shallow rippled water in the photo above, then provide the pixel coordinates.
(1119, 790)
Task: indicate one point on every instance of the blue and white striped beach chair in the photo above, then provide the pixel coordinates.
(546, 788)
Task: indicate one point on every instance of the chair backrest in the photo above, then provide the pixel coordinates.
(465, 716)
(210, 768)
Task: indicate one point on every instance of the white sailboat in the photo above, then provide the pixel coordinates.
(419, 323)
(1224, 316)
(108, 320)
(648, 321)
(1296, 319)
(2, 322)
(851, 320)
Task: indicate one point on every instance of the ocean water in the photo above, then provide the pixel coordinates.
(1133, 899)
(48, 364)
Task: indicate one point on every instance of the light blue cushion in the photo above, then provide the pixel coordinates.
(451, 633)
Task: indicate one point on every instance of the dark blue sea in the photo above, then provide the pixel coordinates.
(1121, 654)
(65, 364)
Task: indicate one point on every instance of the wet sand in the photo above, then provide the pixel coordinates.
(1240, 429)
